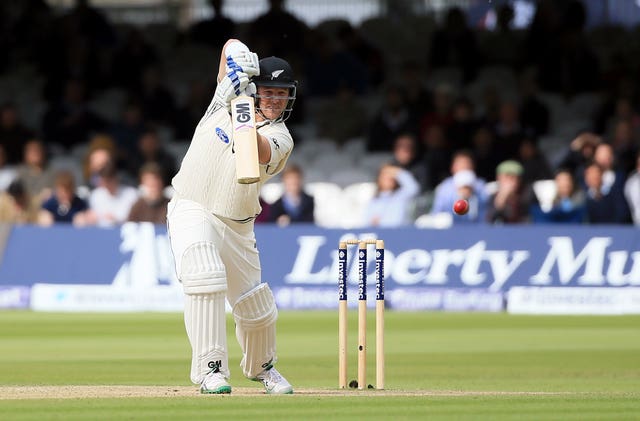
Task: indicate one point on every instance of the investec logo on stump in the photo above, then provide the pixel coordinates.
(559, 264)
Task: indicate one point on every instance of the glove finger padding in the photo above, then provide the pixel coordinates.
(232, 85)
(243, 61)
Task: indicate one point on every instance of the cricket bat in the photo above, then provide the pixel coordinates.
(245, 141)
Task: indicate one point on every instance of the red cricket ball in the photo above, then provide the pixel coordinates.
(461, 207)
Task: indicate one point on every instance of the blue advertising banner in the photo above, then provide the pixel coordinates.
(461, 268)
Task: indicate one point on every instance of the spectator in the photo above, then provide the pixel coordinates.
(534, 114)
(508, 130)
(343, 118)
(632, 192)
(329, 68)
(455, 45)
(34, 172)
(613, 179)
(447, 192)
(407, 156)
(465, 182)
(502, 47)
(110, 202)
(393, 118)
(603, 207)
(191, 111)
(214, 31)
(295, 205)
(441, 113)
(265, 214)
(127, 131)
(152, 203)
(534, 163)
(418, 97)
(150, 149)
(511, 202)
(102, 151)
(580, 153)
(568, 206)
(69, 121)
(131, 58)
(486, 155)
(13, 134)
(16, 206)
(371, 57)
(625, 145)
(64, 204)
(437, 155)
(277, 33)
(391, 206)
(463, 124)
(157, 100)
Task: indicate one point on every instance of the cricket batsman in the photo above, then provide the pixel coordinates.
(211, 224)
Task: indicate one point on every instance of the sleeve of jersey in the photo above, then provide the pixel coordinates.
(281, 145)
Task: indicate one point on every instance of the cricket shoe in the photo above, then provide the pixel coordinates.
(273, 382)
(215, 383)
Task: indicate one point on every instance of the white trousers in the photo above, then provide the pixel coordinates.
(231, 247)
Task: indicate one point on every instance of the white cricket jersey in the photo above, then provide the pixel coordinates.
(207, 174)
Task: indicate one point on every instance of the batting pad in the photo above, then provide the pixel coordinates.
(201, 270)
(255, 314)
(204, 319)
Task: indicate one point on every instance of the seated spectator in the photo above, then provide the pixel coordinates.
(441, 113)
(447, 192)
(265, 214)
(580, 154)
(486, 155)
(463, 124)
(70, 121)
(465, 184)
(150, 149)
(342, 118)
(64, 204)
(624, 143)
(214, 31)
(110, 202)
(604, 207)
(613, 179)
(511, 202)
(509, 133)
(568, 206)
(152, 204)
(535, 164)
(437, 155)
(13, 134)
(34, 172)
(632, 192)
(406, 155)
(391, 206)
(102, 151)
(393, 118)
(295, 205)
(16, 206)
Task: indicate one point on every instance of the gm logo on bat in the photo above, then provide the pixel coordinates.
(243, 112)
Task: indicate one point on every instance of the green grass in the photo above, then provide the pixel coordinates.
(589, 366)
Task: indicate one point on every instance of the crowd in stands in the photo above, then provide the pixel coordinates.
(444, 134)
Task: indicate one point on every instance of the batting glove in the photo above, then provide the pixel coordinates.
(232, 85)
(243, 61)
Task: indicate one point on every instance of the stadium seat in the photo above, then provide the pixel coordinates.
(356, 198)
(328, 203)
(545, 191)
(270, 192)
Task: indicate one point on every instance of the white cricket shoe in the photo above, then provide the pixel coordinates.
(215, 383)
(273, 381)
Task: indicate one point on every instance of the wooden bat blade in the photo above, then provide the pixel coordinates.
(243, 119)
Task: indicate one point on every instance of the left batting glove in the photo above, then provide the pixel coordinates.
(243, 61)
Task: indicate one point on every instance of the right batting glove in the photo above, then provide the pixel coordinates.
(243, 61)
(230, 87)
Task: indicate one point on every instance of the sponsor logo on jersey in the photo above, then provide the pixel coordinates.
(222, 135)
